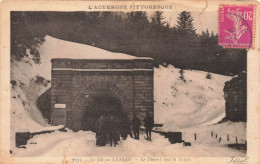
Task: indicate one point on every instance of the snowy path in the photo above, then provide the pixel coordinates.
(83, 144)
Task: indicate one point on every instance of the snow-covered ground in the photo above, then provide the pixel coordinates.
(83, 143)
(191, 107)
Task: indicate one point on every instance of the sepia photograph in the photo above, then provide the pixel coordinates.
(162, 84)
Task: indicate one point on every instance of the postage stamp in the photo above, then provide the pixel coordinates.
(236, 26)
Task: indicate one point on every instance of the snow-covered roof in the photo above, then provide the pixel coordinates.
(57, 48)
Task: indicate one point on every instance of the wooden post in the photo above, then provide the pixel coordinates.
(227, 137)
(219, 140)
(195, 136)
(216, 136)
(211, 134)
(236, 141)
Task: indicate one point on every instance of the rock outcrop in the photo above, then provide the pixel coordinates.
(236, 98)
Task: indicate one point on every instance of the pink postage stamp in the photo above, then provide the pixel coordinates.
(236, 26)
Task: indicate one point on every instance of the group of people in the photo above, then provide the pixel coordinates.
(109, 128)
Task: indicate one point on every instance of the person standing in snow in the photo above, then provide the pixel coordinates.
(116, 131)
(110, 127)
(113, 132)
(136, 127)
(148, 124)
(125, 127)
(100, 133)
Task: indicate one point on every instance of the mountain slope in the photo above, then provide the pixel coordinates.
(198, 101)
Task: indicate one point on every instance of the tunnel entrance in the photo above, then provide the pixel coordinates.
(97, 106)
(89, 87)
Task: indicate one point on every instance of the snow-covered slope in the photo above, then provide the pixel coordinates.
(180, 106)
(198, 101)
(25, 116)
(25, 93)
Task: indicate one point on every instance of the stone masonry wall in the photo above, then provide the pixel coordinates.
(144, 100)
(75, 86)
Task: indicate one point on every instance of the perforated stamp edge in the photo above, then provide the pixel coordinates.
(253, 26)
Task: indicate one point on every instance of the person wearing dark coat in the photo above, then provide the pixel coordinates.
(148, 124)
(113, 130)
(136, 127)
(125, 127)
(100, 132)
(116, 131)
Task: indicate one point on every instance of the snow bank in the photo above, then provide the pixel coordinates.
(203, 134)
(26, 91)
(25, 116)
(82, 144)
(196, 102)
(57, 48)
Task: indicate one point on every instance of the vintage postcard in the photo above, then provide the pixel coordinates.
(130, 82)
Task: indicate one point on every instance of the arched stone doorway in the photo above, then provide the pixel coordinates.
(99, 99)
(97, 106)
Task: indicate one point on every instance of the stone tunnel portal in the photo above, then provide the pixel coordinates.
(83, 89)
